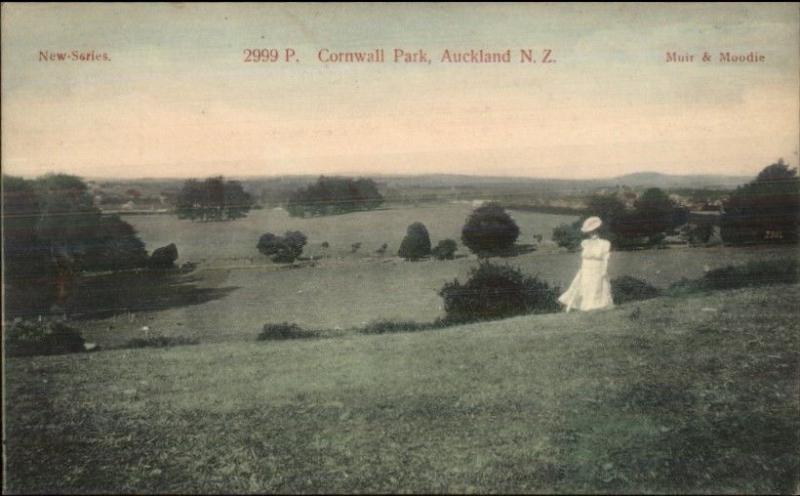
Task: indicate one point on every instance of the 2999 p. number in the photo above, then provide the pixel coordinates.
(268, 55)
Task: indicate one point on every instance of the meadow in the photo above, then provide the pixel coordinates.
(235, 290)
(693, 394)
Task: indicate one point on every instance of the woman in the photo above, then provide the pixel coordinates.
(590, 290)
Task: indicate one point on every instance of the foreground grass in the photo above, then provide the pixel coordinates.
(695, 394)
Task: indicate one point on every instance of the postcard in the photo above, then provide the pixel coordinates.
(400, 248)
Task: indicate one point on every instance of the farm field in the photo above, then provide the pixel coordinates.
(236, 290)
(690, 394)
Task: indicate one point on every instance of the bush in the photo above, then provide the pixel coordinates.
(164, 257)
(382, 249)
(282, 249)
(445, 250)
(697, 234)
(489, 230)
(567, 236)
(285, 330)
(626, 288)
(26, 338)
(761, 273)
(389, 326)
(494, 292)
(417, 243)
(160, 342)
(355, 247)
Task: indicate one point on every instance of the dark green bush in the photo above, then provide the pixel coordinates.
(285, 330)
(697, 234)
(164, 257)
(389, 326)
(160, 342)
(489, 230)
(282, 249)
(568, 236)
(627, 288)
(417, 243)
(26, 338)
(445, 250)
(759, 273)
(495, 292)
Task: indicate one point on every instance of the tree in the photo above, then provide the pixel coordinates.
(617, 225)
(28, 269)
(282, 249)
(114, 245)
(654, 213)
(52, 232)
(568, 235)
(417, 243)
(765, 210)
(445, 250)
(334, 195)
(489, 230)
(213, 200)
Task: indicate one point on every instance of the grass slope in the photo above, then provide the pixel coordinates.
(694, 394)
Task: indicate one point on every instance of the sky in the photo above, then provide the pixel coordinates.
(177, 99)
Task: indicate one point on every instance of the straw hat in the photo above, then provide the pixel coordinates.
(591, 224)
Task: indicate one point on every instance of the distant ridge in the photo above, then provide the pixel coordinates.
(634, 180)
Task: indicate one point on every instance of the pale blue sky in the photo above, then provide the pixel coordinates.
(176, 98)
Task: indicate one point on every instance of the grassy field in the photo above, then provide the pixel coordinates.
(236, 290)
(690, 394)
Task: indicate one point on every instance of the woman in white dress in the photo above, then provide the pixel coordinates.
(590, 289)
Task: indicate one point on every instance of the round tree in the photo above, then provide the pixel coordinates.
(445, 250)
(417, 243)
(489, 230)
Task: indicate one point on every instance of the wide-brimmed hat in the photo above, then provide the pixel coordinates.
(591, 224)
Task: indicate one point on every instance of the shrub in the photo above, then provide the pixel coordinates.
(445, 250)
(160, 342)
(282, 249)
(382, 249)
(164, 257)
(355, 247)
(494, 292)
(489, 230)
(697, 234)
(627, 288)
(417, 243)
(567, 236)
(285, 330)
(26, 338)
(760, 273)
(389, 326)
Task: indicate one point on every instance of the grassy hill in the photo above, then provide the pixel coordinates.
(691, 394)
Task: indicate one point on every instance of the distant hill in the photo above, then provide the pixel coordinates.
(664, 181)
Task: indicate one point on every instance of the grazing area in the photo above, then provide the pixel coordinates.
(674, 394)
(235, 289)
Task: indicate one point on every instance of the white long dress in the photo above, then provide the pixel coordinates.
(590, 289)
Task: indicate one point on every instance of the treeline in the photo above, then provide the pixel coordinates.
(766, 210)
(647, 223)
(213, 199)
(51, 232)
(334, 195)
